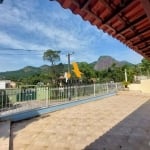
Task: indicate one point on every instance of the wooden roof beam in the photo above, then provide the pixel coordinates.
(84, 4)
(145, 49)
(106, 4)
(92, 14)
(148, 52)
(148, 57)
(139, 33)
(146, 40)
(117, 11)
(138, 20)
(146, 6)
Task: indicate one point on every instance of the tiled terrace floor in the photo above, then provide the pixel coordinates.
(4, 135)
(114, 123)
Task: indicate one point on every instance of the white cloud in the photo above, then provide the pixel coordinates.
(64, 39)
(25, 15)
(41, 24)
(5, 39)
(10, 42)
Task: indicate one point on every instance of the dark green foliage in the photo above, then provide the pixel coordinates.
(145, 67)
(33, 76)
(51, 56)
(42, 74)
(4, 100)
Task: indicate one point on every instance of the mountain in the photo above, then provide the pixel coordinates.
(22, 73)
(44, 67)
(105, 62)
(125, 63)
(29, 71)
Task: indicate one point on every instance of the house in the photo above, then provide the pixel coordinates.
(7, 84)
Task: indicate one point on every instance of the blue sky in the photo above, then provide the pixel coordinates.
(40, 25)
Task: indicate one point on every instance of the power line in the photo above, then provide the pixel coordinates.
(19, 49)
(17, 54)
(16, 50)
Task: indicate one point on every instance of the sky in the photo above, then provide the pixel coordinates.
(39, 25)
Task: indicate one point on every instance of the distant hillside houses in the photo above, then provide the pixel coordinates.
(4, 84)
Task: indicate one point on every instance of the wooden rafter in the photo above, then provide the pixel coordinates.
(146, 6)
(117, 11)
(135, 22)
(84, 4)
(139, 33)
(145, 40)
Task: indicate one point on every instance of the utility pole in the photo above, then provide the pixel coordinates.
(125, 73)
(68, 55)
(69, 81)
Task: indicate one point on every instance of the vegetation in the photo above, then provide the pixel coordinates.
(53, 74)
(52, 56)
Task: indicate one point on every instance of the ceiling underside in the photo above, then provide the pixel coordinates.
(126, 20)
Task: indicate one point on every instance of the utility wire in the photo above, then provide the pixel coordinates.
(17, 54)
(19, 49)
(16, 50)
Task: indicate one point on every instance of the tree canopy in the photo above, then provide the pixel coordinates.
(51, 74)
(51, 56)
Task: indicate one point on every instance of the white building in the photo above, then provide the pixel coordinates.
(5, 84)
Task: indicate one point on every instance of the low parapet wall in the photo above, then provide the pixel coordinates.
(40, 111)
(144, 86)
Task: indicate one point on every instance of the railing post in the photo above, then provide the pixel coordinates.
(46, 93)
(116, 87)
(94, 89)
(107, 88)
(76, 92)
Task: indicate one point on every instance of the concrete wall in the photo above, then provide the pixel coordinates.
(144, 86)
(4, 84)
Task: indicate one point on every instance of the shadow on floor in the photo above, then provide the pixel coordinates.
(132, 133)
(22, 125)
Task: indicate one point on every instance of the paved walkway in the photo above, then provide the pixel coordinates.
(118, 122)
(4, 135)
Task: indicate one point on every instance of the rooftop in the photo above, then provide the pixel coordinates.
(117, 122)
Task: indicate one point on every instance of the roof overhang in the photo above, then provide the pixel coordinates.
(126, 20)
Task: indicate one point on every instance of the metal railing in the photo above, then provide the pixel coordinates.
(32, 97)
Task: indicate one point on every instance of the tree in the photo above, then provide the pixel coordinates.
(87, 70)
(53, 57)
(145, 66)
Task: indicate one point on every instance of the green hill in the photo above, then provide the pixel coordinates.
(97, 69)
